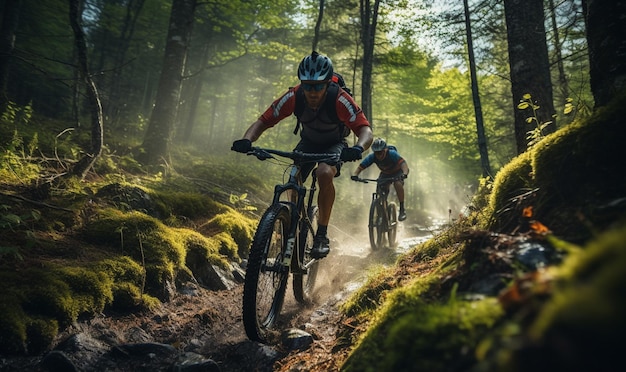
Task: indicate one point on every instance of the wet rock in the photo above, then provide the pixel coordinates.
(210, 276)
(296, 339)
(192, 362)
(137, 335)
(535, 255)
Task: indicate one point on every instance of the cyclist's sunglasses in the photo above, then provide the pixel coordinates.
(316, 87)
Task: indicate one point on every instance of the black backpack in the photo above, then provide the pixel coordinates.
(329, 104)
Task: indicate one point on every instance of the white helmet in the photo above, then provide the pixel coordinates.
(379, 144)
(315, 67)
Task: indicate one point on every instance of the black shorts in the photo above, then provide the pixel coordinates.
(390, 176)
(314, 148)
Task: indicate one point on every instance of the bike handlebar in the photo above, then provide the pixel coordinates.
(264, 154)
(378, 180)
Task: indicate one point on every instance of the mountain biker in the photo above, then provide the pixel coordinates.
(319, 134)
(391, 165)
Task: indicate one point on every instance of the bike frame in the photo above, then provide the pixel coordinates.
(382, 213)
(298, 214)
(380, 198)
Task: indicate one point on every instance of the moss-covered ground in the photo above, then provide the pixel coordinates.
(567, 193)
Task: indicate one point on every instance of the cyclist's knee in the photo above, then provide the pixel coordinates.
(325, 172)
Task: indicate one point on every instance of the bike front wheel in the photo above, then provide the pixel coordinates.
(393, 225)
(375, 226)
(304, 277)
(266, 275)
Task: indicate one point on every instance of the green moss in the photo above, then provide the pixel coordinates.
(578, 163)
(368, 297)
(188, 204)
(416, 336)
(12, 324)
(240, 227)
(91, 289)
(41, 332)
(121, 269)
(126, 296)
(512, 180)
(64, 293)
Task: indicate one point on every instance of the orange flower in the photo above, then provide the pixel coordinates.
(539, 228)
(528, 212)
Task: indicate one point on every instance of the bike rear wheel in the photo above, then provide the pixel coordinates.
(304, 281)
(375, 226)
(393, 225)
(266, 276)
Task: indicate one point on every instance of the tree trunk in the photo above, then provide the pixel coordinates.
(10, 19)
(530, 66)
(606, 30)
(320, 17)
(478, 112)
(563, 82)
(369, 19)
(158, 138)
(82, 167)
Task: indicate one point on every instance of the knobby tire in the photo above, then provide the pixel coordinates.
(375, 228)
(266, 277)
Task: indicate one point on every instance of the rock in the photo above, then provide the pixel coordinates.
(141, 349)
(192, 362)
(296, 339)
(57, 361)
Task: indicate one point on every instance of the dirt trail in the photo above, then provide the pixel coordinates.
(209, 324)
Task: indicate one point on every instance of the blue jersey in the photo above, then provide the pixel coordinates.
(389, 165)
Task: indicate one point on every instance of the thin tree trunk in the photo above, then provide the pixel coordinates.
(82, 167)
(369, 20)
(563, 82)
(478, 112)
(320, 17)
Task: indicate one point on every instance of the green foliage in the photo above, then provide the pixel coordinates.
(235, 225)
(41, 332)
(413, 335)
(189, 204)
(513, 180)
(535, 134)
(12, 324)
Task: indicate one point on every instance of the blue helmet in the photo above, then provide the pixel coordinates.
(315, 67)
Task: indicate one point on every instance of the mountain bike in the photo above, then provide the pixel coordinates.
(281, 246)
(383, 218)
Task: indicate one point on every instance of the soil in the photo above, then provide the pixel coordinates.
(208, 324)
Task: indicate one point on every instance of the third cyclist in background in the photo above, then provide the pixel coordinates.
(391, 165)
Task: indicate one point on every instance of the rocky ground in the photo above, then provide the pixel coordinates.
(201, 330)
